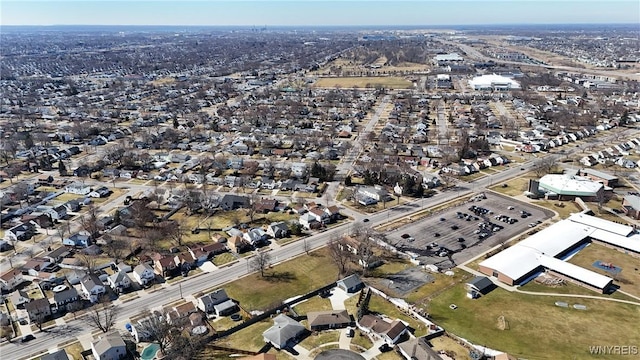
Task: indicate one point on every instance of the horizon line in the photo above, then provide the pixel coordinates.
(330, 25)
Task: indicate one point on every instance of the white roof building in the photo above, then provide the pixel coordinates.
(545, 250)
(493, 82)
(569, 185)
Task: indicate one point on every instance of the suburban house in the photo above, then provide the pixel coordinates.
(278, 230)
(92, 287)
(217, 302)
(56, 213)
(418, 349)
(376, 193)
(238, 244)
(178, 314)
(77, 240)
(77, 188)
(66, 298)
(206, 252)
(390, 332)
(323, 320)
(56, 255)
(58, 355)
(10, 279)
(232, 202)
(350, 284)
(143, 274)
(165, 265)
(109, 347)
(119, 281)
(255, 236)
(309, 221)
(20, 232)
(18, 298)
(38, 310)
(285, 332)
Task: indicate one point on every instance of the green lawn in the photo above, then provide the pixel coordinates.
(223, 259)
(316, 303)
(361, 340)
(514, 187)
(361, 82)
(291, 278)
(249, 338)
(563, 208)
(452, 347)
(629, 277)
(320, 338)
(377, 304)
(536, 328)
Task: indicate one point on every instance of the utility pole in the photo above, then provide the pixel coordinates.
(180, 286)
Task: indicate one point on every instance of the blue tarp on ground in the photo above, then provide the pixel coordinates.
(608, 267)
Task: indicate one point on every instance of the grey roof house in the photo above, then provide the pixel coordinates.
(284, 332)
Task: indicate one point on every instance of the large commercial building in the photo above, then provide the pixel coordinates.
(545, 251)
(569, 187)
(493, 82)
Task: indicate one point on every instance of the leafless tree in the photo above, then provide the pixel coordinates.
(544, 165)
(261, 262)
(175, 231)
(103, 315)
(339, 256)
(365, 253)
(88, 261)
(253, 206)
(114, 246)
(90, 222)
(157, 329)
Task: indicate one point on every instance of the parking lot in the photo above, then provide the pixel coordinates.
(457, 234)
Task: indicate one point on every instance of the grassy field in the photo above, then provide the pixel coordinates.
(390, 82)
(361, 340)
(291, 278)
(514, 187)
(567, 208)
(420, 296)
(451, 347)
(382, 306)
(222, 259)
(249, 338)
(536, 328)
(316, 303)
(629, 277)
(317, 339)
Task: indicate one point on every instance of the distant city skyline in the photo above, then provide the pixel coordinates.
(318, 13)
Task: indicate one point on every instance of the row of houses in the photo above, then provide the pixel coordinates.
(615, 154)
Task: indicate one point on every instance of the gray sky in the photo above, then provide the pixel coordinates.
(316, 12)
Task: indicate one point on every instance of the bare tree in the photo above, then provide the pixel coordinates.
(175, 231)
(90, 222)
(103, 315)
(339, 256)
(88, 261)
(261, 262)
(253, 206)
(365, 253)
(544, 165)
(156, 328)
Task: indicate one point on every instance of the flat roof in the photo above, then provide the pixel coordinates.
(569, 185)
(524, 257)
(574, 271)
(514, 262)
(631, 243)
(598, 223)
(600, 174)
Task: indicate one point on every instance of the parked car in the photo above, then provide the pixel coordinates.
(27, 338)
